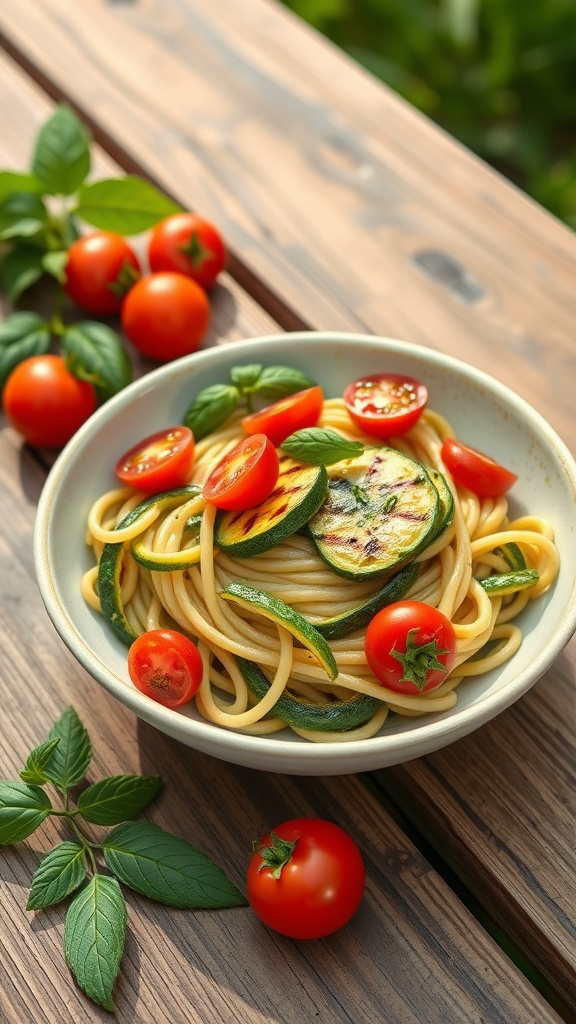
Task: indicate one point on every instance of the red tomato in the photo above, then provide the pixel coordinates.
(101, 268)
(46, 403)
(385, 404)
(295, 412)
(166, 666)
(245, 476)
(166, 316)
(476, 471)
(159, 462)
(190, 245)
(410, 647)
(306, 878)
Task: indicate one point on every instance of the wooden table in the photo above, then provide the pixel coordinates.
(344, 209)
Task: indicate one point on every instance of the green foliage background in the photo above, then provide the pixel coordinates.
(499, 75)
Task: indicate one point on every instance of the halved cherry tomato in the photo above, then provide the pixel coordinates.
(385, 404)
(100, 268)
(295, 412)
(245, 476)
(306, 878)
(476, 471)
(410, 647)
(159, 462)
(189, 244)
(166, 666)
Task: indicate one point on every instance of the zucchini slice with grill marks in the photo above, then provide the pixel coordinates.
(382, 510)
(299, 492)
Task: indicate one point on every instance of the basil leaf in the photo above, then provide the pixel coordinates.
(211, 408)
(245, 377)
(22, 809)
(127, 205)
(61, 158)
(118, 798)
(94, 937)
(21, 335)
(166, 868)
(15, 181)
(94, 352)
(54, 263)
(278, 381)
(320, 446)
(20, 269)
(33, 770)
(22, 215)
(69, 761)
(60, 872)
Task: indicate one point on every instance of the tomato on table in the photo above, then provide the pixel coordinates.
(385, 404)
(245, 476)
(45, 402)
(306, 878)
(478, 472)
(101, 267)
(166, 666)
(159, 462)
(189, 244)
(165, 315)
(278, 421)
(410, 647)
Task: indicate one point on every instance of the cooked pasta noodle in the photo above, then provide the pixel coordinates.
(450, 575)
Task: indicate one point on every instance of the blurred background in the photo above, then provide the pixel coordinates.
(499, 75)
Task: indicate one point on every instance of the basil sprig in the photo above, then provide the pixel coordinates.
(321, 446)
(137, 854)
(214, 404)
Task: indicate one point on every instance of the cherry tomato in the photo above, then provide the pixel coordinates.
(306, 878)
(166, 666)
(190, 245)
(245, 476)
(166, 315)
(385, 404)
(410, 647)
(476, 471)
(100, 269)
(159, 462)
(46, 403)
(278, 421)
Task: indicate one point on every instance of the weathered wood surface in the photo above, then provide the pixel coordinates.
(330, 243)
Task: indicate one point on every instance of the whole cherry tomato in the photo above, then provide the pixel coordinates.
(385, 404)
(166, 315)
(165, 665)
(281, 419)
(189, 244)
(306, 878)
(159, 462)
(245, 476)
(46, 403)
(100, 269)
(478, 472)
(410, 646)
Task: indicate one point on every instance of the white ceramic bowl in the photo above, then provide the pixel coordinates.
(485, 414)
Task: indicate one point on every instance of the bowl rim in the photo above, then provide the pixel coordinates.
(231, 744)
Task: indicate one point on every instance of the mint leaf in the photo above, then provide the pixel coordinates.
(211, 408)
(127, 205)
(61, 158)
(59, 873)
(279, 381)
(22, 809)
(94, 937)
(118, 798)
(22, 215)
(94, 352)
(15, 181)
(21, 335)
(166, 868)
(321, 446)
(54, 262)
(33, 770)
(245, 377)
(19, 269)
(69, 761)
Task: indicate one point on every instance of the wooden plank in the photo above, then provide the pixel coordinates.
(351, 207)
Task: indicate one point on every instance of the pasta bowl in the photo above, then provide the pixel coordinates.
(481, 411)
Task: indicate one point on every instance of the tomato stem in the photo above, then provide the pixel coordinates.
(276, 856)
(419, 659)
